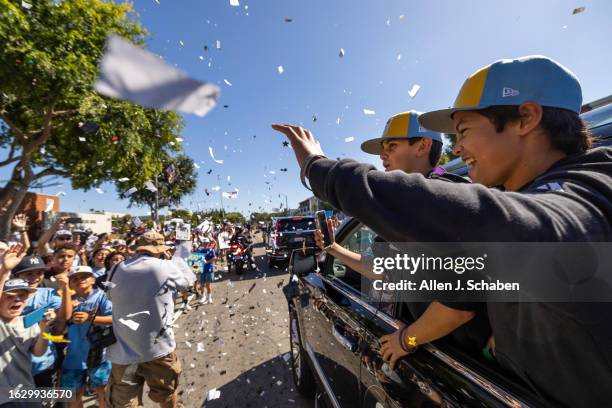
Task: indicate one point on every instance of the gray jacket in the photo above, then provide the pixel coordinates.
(143, 291)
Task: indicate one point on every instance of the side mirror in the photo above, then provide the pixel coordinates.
(302, 262)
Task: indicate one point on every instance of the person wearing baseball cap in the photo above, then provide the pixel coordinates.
(406, 145)
(92, 306)
(151, 348)
(19, 343)
(32, 270)
(519, 130)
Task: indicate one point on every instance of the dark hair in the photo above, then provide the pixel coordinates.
(71, 246)
(108, 258)
(566, 130)
(435, 152)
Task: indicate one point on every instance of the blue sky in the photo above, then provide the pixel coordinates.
(389, 46)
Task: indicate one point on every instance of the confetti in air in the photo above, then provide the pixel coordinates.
(414, 90)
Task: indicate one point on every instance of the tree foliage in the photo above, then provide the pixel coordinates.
(170, 194)
(52, 122)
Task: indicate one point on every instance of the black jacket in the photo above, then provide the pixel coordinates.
(563, 350)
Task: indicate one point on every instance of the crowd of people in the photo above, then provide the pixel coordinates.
(70, 317)
(536, 177)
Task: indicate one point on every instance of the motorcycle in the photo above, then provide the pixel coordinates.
(239, 257)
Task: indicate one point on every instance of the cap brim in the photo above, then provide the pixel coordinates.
(374, 146)
(81, 273)
(439, 120)
(154, 249)
(31, 268)
(27, 289)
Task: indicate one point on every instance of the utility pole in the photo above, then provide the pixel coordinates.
(156, 201)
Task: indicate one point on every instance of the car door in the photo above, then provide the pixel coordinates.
(334, 322)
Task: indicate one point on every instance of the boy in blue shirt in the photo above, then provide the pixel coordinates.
(208, 275)
(91, 306)
(32, 269)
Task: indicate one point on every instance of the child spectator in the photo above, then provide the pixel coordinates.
(208, 275)
(32, 270)
(17, 342)
(97, 261)
(92, 306)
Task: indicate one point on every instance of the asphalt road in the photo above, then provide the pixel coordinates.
(239, 345)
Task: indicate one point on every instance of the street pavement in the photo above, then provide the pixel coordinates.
(239, 345)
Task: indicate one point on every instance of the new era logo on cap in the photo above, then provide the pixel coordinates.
(506, 92)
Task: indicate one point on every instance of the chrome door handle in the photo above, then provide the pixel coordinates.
(348, 344)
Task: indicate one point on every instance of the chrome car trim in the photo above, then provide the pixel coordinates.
(321, 376)
(476, 378)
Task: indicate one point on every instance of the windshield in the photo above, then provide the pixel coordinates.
(296, 224)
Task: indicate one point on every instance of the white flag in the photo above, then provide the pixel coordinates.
(129, 73)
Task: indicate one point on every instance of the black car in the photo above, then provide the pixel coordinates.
(334, 332)
(287, 234)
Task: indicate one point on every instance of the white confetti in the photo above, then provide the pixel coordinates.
(182, 43)
(149, 185)
(216, 188)
(61, 193)
(100, 191)
(368, 112)
(25, 5)
(227, 82)
(349, 139)
(210, 150)
(196, 165)
(179, 139)
(414, 90)
(188, 344)
(280, 69)
(218, 44)
(286, 357)
(279, 383)
(49, 206)
(401, 17)
(123, 179)
(338, 120)
(200, 347)
(341, 54)
(213, 394)
(576, 10)
(139, 313)
(130, 323)
(399, 57)
(131, 191)
(130, 73)
(192, 365)
(234, 3)
(82, 139)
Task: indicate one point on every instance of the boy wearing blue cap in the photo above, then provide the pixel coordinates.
(92, 307)
(518, 128)
(17, 342)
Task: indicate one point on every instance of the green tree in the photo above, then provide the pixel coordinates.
(168, 194)
(52, 123)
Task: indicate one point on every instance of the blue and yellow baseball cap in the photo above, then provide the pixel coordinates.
(404, 125)
(533, 78)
